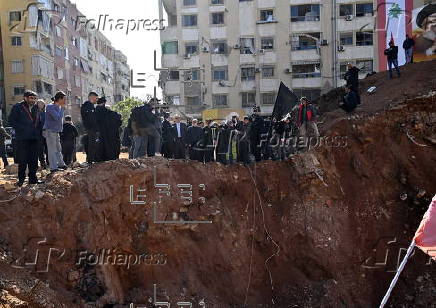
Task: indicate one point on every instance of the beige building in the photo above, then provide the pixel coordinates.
(122, 77)
(233, 54)
(46, 48)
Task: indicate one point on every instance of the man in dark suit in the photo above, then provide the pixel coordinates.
(26, 121)
(180, 131)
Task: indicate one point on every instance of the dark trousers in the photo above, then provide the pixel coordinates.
(27, 157)
(395, 64)
(179, 149)
(43, 152)
(68, 151)
(3, 155)
(92, 148)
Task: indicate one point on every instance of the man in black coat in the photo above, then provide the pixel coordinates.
(408, 48)
(180, 131)
(68, 140)
(167, 137)
(349, 101)
(223, 144)
(194, 135)
(109, 130)
(87, 112)
(206, 144)
(392, 55)
(25, 120)
(352, 79)
(244, 141)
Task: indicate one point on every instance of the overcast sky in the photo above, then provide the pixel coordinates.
(138, 46)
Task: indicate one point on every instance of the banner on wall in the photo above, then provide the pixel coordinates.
(424, 32)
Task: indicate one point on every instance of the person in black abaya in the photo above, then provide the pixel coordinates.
(167, 138)
(68, 140)
(223, 144)
(108, 127)
(206, 143)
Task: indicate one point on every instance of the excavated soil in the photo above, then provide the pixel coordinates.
(324, 229)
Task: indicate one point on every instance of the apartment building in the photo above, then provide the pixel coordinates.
(122, 77)
(233, 54)
(47, 49)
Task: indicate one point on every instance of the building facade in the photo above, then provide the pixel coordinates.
(46, 48)
(233, 54)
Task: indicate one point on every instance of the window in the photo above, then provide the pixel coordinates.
(191, 48)
(305, 41)
(247, 46)
(219, 73)
(219, 47)
(364, 38)
(217, 18)
(217, 2)
(17, 67)
(364, 9)
(266, 15)
(170, 48)
(311, 93)
(267, 43)
(189, 20)
(345, 9)
(365, 66)
(268, 98)
(58, 31)
(77, 81)
(60, 73)
(37, 86)
(248, 73)
(305, 12)
(75, 41)
(343, 68)
(268, 71)
(19, 90)
(219, 100)
(306, 70)
(174, 75)
(192, 75)
(58, 51)
(16, 41)
(14, 16)
(189, 2)
(48, 88)
(248, 99)
(346, 38)
(173, 100)
(193, 104)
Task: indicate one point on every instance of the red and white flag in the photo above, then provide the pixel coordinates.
(425, 236)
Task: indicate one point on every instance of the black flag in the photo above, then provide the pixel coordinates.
(285, 101)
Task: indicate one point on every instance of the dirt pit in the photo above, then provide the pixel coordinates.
(324, 229)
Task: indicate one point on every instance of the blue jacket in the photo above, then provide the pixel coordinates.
(54, 118)
(26, 123)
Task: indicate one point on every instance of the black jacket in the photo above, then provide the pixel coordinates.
(352, 77)
(69, 133)
(392, 53)
(350, 101)
(183, 131)
(167, 132)
(194, 135)
(109, 127)
(408, 43)
(26, 123)
(87, 111)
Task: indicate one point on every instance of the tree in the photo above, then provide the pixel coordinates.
(125, 107)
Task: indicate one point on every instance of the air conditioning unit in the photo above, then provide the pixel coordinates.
(287, 71)
(237, 46)
(258, 70)
(261, 51)
(324, 43)
(348, 17)
(341, 48)
(221, 83)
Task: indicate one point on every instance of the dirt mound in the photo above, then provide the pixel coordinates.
(309, 232)
(417, 79)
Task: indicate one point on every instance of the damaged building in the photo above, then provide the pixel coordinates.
(46, 49)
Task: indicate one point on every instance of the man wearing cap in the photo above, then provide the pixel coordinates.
(180, 131)
(87, 112)
(25, 120)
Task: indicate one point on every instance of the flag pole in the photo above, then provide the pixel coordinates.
(397, 275)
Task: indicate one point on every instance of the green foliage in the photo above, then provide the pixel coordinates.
(124, 108)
